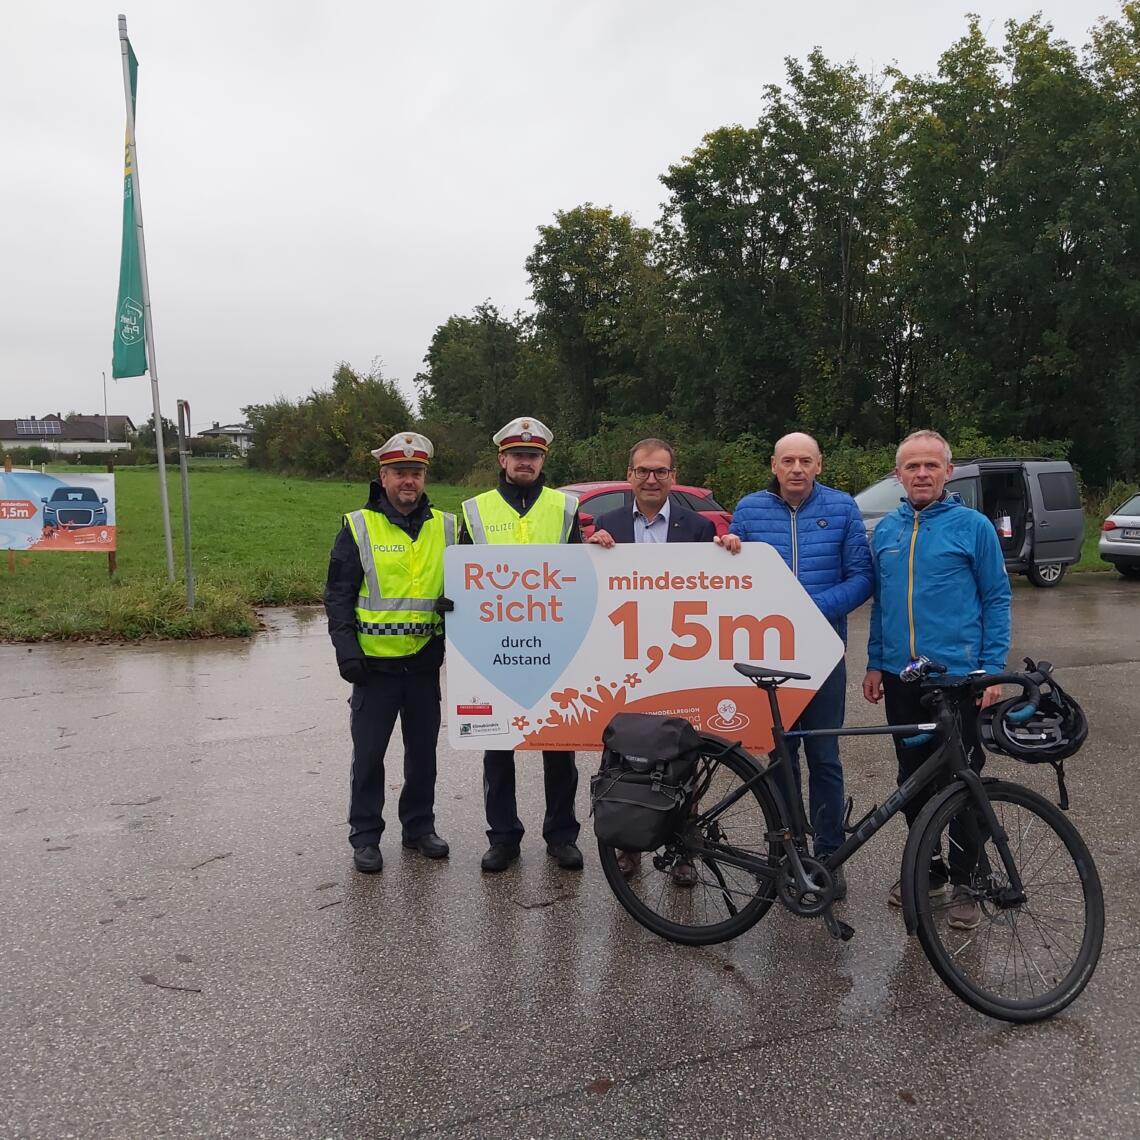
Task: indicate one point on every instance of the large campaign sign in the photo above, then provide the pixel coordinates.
(547, 643)
(56, 512)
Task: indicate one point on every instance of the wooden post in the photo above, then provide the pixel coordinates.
(11, 552)
(112, 563)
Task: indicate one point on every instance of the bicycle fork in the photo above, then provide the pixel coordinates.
(1012, 895)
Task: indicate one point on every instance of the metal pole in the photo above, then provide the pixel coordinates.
(183, 452)
(112, 560)
(11, 552)
(148, 324)
(106, 422)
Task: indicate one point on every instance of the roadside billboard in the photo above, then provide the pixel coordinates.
(57, 512)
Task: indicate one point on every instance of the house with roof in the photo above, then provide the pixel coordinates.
(240, 435)
(67, 437)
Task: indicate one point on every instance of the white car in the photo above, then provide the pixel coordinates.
(1120, 538)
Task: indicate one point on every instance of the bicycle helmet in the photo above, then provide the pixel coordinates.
(1056, 730)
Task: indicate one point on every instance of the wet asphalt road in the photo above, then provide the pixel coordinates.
(185, 949)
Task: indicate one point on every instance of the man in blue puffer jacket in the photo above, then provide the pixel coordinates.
(819, 533)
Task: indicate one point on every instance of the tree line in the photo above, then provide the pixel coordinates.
(876, 253)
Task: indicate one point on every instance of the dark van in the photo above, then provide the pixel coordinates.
(1034, 505)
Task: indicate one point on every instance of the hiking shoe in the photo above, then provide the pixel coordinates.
(429, 845)
(499, 856)
(566, 855)
(368, 859)
(894, 896)
(963, 913)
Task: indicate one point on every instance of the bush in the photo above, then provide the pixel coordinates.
(1102, 503)
(148, 457)
(213, 445)
(28, 456)
(742, 466)
(971, 444)
(605, 454)
(851, 468)
(95, 458)
(460, 446)
(329, 433)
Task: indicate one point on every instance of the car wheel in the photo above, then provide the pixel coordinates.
(1045, 574)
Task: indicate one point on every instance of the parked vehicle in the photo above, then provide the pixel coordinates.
(1034, 505)
(596, 498)
(1120, 538)
(74, 507)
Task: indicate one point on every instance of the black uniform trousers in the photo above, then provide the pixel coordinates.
(903, 706)
(415, 698)
(560, 776)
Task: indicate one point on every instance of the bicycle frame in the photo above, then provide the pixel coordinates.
(950, 757)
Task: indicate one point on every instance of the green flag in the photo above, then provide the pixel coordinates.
(129, 355)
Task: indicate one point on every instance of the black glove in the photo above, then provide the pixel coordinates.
(354, 670)
(444, 605)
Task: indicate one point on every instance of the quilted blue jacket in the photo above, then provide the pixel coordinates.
(823, 541)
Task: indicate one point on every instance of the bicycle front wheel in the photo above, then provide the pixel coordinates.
(699, 899)
(1017, 961)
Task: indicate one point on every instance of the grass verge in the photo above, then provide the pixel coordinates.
(258, 539)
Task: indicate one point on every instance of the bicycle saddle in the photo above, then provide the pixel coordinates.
(777, 675)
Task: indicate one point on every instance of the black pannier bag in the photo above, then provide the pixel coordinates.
(641, 791)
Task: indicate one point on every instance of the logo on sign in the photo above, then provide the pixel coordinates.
(130, 321)
(728, 716)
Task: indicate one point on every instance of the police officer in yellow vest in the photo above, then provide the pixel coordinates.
(382, 599)
(523, 509)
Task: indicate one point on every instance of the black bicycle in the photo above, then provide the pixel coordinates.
(1037, 932)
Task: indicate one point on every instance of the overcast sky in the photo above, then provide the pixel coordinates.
(331, 182)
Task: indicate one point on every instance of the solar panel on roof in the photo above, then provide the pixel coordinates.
(38, 427)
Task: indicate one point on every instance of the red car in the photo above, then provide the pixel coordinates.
(597, 498)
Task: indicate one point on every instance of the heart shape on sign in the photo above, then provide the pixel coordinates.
(521, 613)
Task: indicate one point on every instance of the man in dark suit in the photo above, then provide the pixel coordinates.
(652, 518)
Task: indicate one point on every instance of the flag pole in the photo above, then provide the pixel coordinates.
(148, 326)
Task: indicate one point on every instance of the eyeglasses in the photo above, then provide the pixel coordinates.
(660, 473)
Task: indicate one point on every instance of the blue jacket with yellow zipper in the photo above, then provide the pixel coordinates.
(941, 590)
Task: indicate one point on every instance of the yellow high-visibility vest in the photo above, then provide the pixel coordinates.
(491, 519)
(395, 611)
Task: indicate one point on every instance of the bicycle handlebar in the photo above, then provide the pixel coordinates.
(1028, 682)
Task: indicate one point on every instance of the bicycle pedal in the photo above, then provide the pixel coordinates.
(837, 928)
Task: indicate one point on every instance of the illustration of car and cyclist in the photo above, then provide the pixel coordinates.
(73, 508)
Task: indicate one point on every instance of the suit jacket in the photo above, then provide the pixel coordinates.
(684, 525)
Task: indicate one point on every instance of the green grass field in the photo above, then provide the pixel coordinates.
(258, 539)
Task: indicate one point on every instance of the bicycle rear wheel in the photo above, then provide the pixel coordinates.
(1022, 962)
(720, 900)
